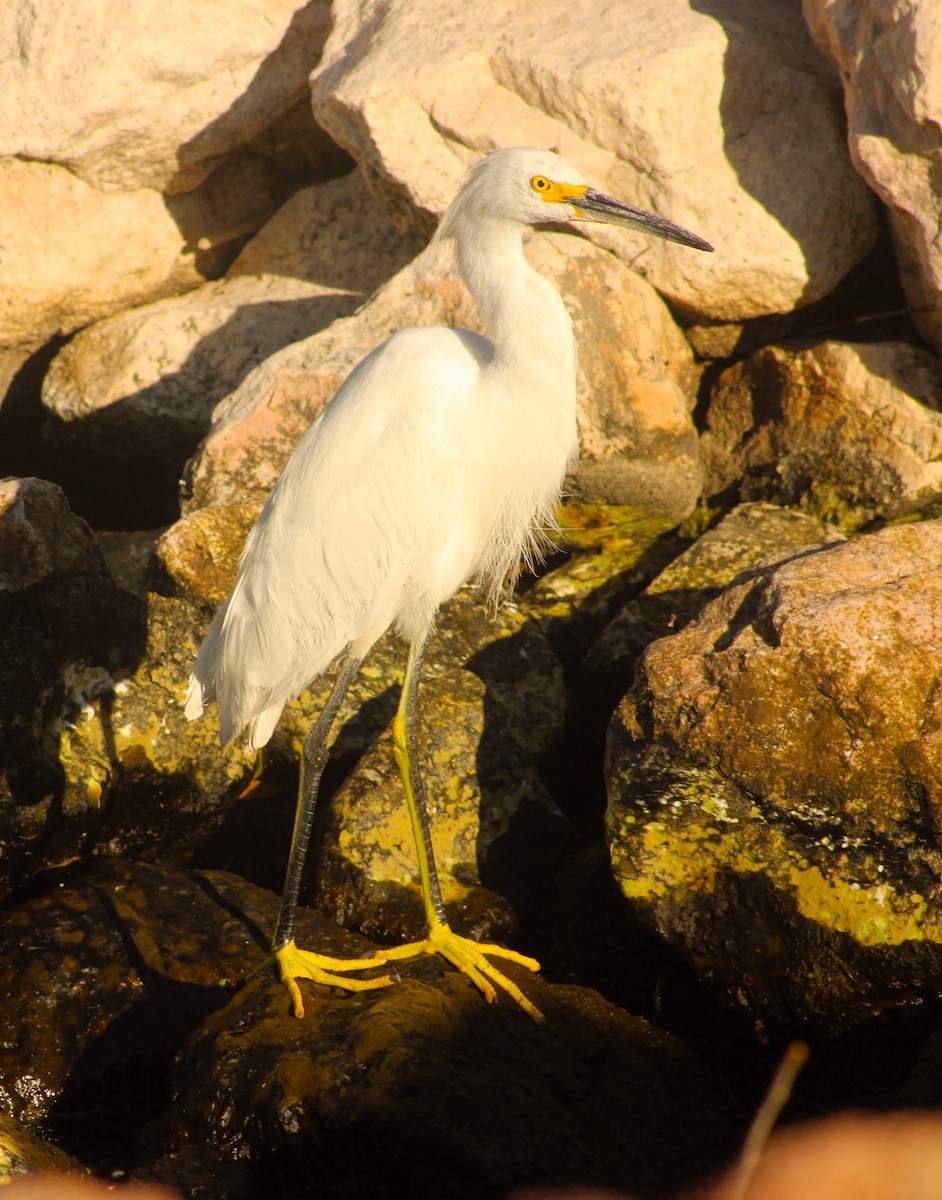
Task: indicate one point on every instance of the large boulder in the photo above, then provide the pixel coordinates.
(745, 144)
(129, 96)
(773, 776)
(121, 437)
(889, 58)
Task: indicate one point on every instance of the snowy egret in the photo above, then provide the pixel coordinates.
(439, 460)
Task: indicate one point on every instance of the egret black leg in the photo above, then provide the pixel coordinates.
(292, 963)
(313, 761)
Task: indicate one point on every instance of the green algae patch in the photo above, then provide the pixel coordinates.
(798, 928)
(878, 915)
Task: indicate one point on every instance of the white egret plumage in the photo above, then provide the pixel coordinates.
(439, 460)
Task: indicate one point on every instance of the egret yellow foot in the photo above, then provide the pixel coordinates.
(294, 964)
(471, 958)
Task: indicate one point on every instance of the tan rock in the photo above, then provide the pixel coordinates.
(482, 791)
(72, 253)
(889, 56)
(333, 234)
(132, 96)
(850, 431)
(129, 430)
(201, 551)
(728, 124)
(636, 382)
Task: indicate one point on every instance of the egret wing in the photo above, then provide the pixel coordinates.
(354, 534)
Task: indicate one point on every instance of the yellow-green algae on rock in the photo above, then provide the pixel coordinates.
(804, 927)
(137, 777)
(700, 840)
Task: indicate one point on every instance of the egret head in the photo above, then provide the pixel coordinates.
(528, 186)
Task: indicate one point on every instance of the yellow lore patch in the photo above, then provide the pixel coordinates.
(556, 193)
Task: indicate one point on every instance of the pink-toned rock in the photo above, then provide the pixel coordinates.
(889, 56)
(725, 120)
(773, 776)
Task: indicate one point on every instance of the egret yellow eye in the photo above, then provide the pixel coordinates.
(555, 193)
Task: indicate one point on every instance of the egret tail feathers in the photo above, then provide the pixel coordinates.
(261, 728)
(198, 699)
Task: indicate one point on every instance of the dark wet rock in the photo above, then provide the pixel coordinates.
(103, 976)
(23, 1153)
(199, 1172)
(95, 752)
(137, 777)
(848, 431)
(80, 958)
(130, 557)
(773, 779)
(62, 620)
(424, 1086)
(106, 977)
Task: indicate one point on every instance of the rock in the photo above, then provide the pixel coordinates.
(640, 445)
(130, 557)
(11, 361)
(123, 436)
(849, 431)
(126, 959)
(138, 778)
(492, 819)
(23, 1153)
(451, 1094)
(751, 537)
(73, 253)
(39, 537)
(135, 98)
(127, 963)
(608, 553)
(333, 234)
(96, 755)
(200, 553)
(773, 783)
(637, 385)
(62, 622)
(745, 147)
(887, 56)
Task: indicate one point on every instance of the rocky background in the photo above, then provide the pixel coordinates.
(694, 767)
